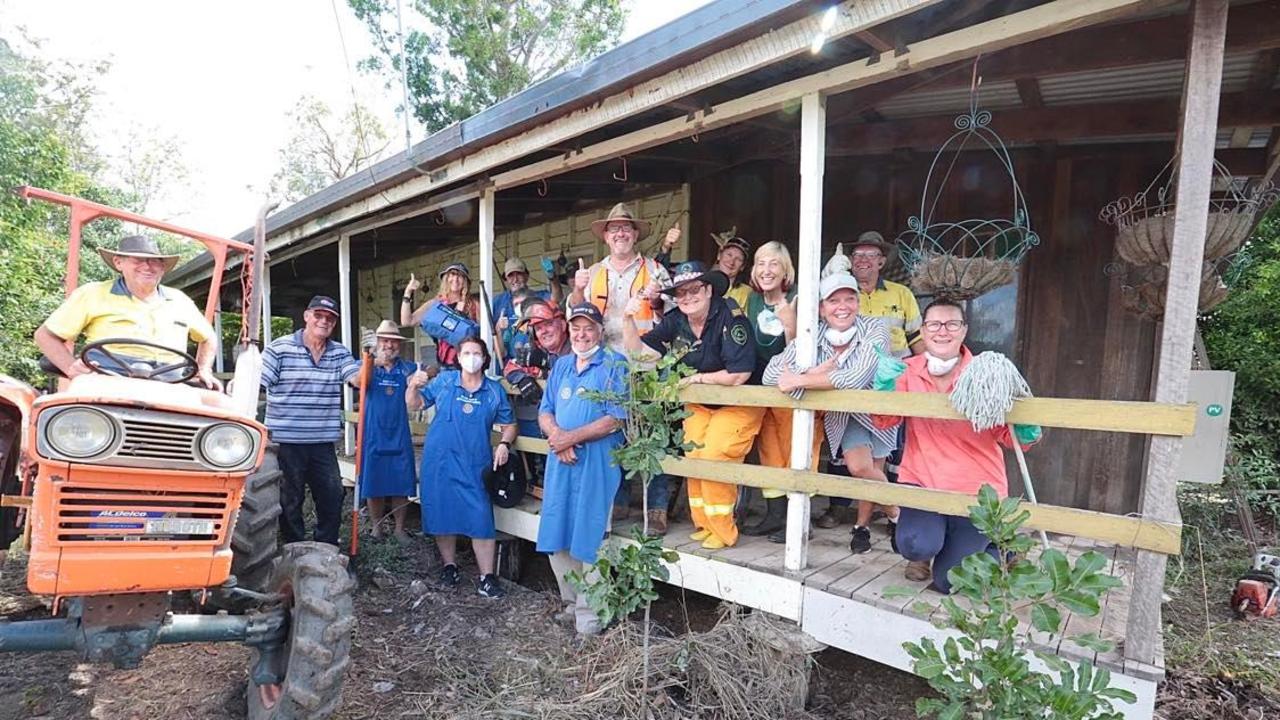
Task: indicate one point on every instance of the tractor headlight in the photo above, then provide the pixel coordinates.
(80, 432)
(226, 445)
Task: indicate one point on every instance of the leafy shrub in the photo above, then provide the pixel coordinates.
(984, 671)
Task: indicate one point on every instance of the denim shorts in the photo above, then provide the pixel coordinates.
(856, 435)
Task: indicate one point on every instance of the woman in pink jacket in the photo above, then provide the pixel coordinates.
(945, 454)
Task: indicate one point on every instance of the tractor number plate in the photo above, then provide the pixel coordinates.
(179, 526)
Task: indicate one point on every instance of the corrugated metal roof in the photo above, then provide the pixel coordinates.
(1138, 82)
(993, 96)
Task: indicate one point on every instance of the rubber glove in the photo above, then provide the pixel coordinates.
(1027, 434)
(888, 370)
(548, 266)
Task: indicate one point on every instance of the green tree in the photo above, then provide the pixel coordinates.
(44, 108)
(473, 53)
(325, 147)
(1242, 335)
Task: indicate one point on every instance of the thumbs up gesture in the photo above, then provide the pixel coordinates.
(672, 237)
(581, 278)
(786, 312)
(414, 284)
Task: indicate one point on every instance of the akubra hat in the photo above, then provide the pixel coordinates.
(621, 212)
(137, 246)
(874, 239)
(390, 330)
(692, 271)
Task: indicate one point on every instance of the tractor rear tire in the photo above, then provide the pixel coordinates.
(319, 592)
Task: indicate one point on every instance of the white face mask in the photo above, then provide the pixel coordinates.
(769, 323)
(585, 354)
(838, 338)
(937, 366)
(471, 363)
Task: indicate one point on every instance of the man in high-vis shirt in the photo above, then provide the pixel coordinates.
(625, 273)
(134, 306)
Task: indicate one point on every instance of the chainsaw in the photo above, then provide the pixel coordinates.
(1257, 593)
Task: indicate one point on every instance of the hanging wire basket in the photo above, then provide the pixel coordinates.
(1144, 222)
(1143, 287)
(964, 259)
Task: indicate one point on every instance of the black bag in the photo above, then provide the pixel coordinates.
(506, 485)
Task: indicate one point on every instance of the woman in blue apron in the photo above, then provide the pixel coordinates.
(455, 455)
(387, 476)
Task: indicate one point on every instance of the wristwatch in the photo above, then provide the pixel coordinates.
(504, 442)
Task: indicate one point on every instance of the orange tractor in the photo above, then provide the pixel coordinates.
(143, 494)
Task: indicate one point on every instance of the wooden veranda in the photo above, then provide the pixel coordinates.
(1092, 96)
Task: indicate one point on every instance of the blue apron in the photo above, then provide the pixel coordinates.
(455, 454)
(577, 499)
(386, 460)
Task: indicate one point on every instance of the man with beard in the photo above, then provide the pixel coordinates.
(387, 475)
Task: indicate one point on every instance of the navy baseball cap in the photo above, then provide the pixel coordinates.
(586, 310)
(324, 302)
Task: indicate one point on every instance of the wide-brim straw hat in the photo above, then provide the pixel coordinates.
(691, 271)
(390, 330)
(874, 239)
(622, 212)
(137, 246)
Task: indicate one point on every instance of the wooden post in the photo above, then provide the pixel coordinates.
(344, 307)
(813, 133)
(1198, 131)
(486, 264)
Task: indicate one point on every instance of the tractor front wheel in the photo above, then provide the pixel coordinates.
(312, 579)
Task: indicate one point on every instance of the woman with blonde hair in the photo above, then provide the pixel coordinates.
(771, 311)
(455, 290)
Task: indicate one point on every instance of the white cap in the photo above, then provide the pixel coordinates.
(834, 282)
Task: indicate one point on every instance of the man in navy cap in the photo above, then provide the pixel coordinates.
(582, 475)
(303, 374)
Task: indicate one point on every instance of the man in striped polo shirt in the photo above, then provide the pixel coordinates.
(303, 375)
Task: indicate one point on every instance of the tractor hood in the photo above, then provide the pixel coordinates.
(96, 389)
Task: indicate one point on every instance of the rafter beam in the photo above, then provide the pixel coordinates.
(1072, 122)
(1007, 31)
(1250, 27)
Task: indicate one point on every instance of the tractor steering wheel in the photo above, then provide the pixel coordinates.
(126, 365)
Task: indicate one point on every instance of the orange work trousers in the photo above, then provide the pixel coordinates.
(774, 443)
(724, 434)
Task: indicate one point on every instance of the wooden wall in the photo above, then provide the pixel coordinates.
(1072, 337)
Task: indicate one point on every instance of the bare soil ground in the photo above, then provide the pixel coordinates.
(422, 650)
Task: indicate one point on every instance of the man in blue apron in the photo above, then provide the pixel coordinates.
(582, 476)
(387, 473)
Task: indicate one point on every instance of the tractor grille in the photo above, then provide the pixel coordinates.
(155, 440)
(86, 513)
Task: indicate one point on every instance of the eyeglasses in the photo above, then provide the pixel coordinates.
(688, 292)
(950, 325)
(868, 255)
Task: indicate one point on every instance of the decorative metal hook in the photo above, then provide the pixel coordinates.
(694, 137)
(439, 217)
(542, 187)
(624, 171)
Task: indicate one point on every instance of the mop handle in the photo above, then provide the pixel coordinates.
(1026, 482)
(366, 371)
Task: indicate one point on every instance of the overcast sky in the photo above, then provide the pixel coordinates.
(220, 77)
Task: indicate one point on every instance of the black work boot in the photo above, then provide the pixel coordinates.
(775, 518)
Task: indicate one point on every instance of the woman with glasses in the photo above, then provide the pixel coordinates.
(945, 454)
(716, 342)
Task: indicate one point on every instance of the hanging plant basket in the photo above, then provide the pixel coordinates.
(1143, 287)
(963, 259)
(1144, 222)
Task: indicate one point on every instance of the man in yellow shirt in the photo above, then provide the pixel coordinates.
(134, 305)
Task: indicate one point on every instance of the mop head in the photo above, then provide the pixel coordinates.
(985, 391)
